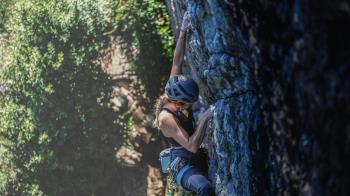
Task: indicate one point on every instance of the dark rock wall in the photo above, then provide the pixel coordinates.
(277, 74)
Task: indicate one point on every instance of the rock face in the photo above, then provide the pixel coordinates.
(277, 74)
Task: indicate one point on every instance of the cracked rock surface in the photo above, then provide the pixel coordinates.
(278, 76)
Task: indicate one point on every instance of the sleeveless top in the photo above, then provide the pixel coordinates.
(187, 124)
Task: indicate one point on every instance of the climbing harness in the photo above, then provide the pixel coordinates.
(175, 168)
(165, 157)
(180, 165)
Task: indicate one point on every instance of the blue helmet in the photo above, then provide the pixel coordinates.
(182, 88)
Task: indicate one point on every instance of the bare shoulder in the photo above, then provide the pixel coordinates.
(164, 115)
(165, 118)
(167, 123)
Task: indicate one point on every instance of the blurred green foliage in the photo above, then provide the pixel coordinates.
(145, 28)
(126, 121)
(57, 135)
(146, 18)
(5, 8)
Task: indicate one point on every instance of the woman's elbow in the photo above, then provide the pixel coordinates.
(192, 148)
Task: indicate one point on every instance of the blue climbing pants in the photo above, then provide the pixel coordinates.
(193, 179)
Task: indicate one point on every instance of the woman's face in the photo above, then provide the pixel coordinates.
(184, 105)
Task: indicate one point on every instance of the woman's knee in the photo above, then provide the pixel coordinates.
(205, 188)
(195, 181)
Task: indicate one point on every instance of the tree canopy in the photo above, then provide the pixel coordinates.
(57, 135)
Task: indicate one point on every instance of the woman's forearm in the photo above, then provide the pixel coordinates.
(198, 136)
(179, 54)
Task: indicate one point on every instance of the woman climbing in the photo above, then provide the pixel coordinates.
(174, 118)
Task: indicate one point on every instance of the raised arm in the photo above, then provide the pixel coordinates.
(180, 47)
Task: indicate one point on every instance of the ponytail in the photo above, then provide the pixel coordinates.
(162, 100)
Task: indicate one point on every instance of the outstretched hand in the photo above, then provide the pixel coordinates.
(207, 114)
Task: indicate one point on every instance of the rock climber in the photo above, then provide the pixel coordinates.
(175, 120)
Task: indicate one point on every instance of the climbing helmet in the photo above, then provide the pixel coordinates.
(182, 88)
